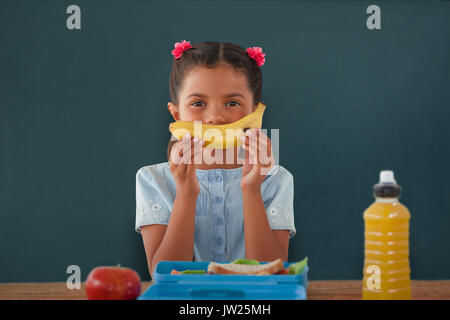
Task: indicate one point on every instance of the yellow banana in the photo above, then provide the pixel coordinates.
(219, 136)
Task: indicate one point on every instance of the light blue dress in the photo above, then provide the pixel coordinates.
(219, 221)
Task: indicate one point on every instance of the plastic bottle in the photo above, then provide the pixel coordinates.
(386, 273)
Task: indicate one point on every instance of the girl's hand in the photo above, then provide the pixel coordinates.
(182, 165)
(258, 159)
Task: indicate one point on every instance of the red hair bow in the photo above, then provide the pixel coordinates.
(180, 47)
(256, 54)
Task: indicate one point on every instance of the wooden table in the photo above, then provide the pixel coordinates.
(317, 290)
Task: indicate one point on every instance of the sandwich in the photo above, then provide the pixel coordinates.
(249, 267)
(246, 269)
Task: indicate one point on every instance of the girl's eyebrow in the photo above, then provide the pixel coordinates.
(234, 94)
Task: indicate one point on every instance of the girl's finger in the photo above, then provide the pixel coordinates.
(246, 154)
(190, 169)
(261, 155)
(180, 153)
(175, 154)
(262, 162)
(251, 134)
(262, 143)
(182, 164)
(188, 144)
(264, 156)
(185, 147)
(187, 154)
(255, 138)
(190, 150)
(265, 160)
(179, 147)
(252, 154)
(197, 151)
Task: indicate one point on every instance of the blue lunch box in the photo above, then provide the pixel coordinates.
(222, 287)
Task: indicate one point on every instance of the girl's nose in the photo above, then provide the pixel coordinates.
(215, 117)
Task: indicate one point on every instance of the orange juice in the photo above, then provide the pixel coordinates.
(386, 273)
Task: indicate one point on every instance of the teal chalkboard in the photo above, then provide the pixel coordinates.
(82, 110)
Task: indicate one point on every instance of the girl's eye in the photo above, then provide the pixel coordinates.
(197, 104)
(234, 103)
(201, 104)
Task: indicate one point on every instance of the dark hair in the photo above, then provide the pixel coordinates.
(210, 54)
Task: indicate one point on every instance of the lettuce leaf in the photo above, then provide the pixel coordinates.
(246, 261)
(298, 267)
(193, 272)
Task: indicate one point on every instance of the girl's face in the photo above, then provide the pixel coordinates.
(213, 96)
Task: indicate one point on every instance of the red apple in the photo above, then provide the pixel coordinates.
(113, 283)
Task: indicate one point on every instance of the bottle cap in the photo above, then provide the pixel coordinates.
(387, 187)
(387, 176)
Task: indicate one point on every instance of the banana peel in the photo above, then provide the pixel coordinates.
(219, 136)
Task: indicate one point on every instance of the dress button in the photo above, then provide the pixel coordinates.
(218, 178)
(219, 241)
(219, 221)
(217, 200)
(211, 176)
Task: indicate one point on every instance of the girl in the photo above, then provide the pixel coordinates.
(215, 212)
